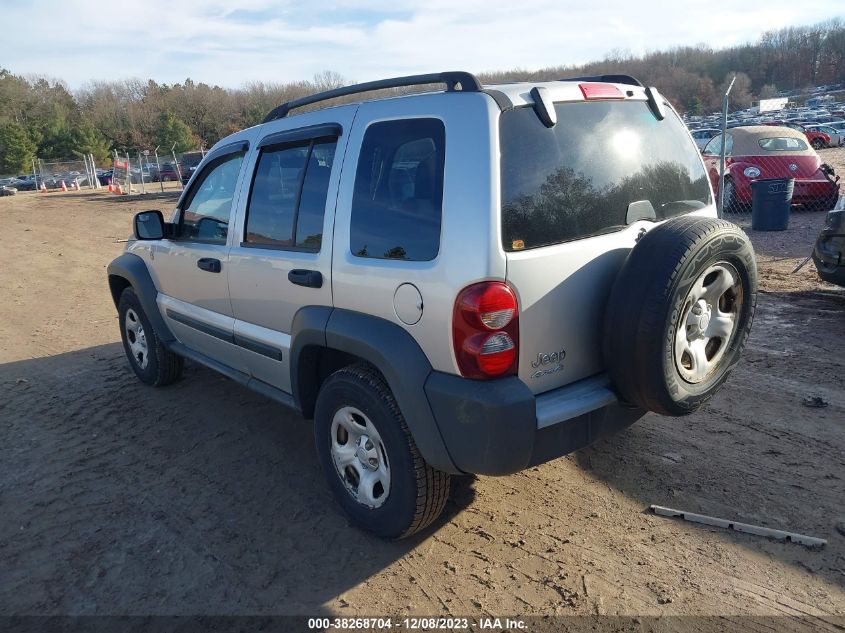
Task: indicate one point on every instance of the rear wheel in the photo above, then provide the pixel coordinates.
(817, 143)
(369, 458)
(680, 313)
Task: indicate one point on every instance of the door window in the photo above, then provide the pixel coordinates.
(287, 203)
(205, 216)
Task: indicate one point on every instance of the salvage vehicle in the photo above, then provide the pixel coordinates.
(829, 251)
(761, 152)
(474, 280)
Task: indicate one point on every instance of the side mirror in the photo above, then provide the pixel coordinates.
(149, 225)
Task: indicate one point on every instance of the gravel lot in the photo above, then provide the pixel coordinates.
(204, 498)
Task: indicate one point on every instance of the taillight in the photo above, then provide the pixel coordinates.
(600, 91)
(485, 330)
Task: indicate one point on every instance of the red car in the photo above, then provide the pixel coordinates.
(817, 139)
(168, 173)
(762, 152)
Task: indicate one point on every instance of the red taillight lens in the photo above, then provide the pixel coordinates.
(485, 330)
(600, 91)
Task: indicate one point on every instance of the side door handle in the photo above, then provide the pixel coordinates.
(307, 278)
(209, 264)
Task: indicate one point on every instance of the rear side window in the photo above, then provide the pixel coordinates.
(782, 144)
(398, 198)
(288, 198)
(580, 177)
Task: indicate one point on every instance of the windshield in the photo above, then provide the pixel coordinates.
(579, 177)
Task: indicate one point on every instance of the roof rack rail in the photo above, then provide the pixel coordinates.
(453, 79)
(612, 79)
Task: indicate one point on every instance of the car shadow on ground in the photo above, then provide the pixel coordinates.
(197, 498)
(762, 451)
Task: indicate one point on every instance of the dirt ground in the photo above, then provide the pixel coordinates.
(204, 498)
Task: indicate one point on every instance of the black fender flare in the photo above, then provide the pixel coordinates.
(386, 346)
(134, 270)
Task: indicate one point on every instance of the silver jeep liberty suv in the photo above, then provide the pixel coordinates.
(473, 280)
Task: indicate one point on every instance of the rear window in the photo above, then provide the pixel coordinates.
(581, 177)
(782, 144)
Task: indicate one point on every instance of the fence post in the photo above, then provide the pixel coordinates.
(176, 162)
(141, 167)
(158, 166)
(721, 208)
(94, 171)
(92, 177)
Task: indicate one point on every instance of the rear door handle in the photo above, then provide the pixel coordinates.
(209, 264)
(307, 278)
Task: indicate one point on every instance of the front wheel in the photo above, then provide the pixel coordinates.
(369, 458)
(153, 363)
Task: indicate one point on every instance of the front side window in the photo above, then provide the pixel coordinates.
(287, 202)
(581, 177)
(398, 198)
(205, 217)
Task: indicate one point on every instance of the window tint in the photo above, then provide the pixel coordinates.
(288, 198)
(580, 177)
(782, 144)
(397, 203)
(205, 218)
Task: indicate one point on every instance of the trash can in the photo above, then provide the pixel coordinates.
(770, 202)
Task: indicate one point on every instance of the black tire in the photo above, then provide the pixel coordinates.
(417, 492)
(652, 294)
(730, 202)
(162, 367)
(817, 143)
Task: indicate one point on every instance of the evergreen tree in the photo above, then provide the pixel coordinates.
(173, 130)
(16, 148)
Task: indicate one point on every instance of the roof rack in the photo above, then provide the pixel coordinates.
(612, 79)
(455, 81)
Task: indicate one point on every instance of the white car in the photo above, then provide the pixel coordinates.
(703, 136)
(837, 136)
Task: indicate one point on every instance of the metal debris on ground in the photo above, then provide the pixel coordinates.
(781, 535)
(816, 402)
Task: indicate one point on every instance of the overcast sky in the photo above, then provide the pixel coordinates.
(210, 41)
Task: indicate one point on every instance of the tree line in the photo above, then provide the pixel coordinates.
(42, 117)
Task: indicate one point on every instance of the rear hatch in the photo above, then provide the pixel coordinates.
(574, 199)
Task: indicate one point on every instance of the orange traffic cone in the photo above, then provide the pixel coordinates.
(118, 190)
(64, 186)
(110, 188)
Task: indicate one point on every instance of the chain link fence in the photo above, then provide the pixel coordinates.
(73, 173)
(774, 149)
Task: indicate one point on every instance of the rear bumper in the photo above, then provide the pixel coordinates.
(499, 427)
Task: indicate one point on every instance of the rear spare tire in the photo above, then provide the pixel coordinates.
(679, 314)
